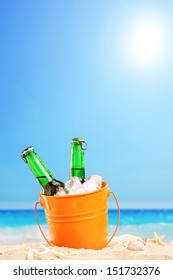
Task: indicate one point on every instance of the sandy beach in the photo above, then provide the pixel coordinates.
(125, 247)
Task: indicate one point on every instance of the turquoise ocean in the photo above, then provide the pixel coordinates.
(17, 226)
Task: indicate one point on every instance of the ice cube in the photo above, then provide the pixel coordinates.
(97, 179)
(60, 192)
(90, 186)
(79, 190)
(73, 182)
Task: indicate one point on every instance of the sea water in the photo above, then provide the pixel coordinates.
(143, 222)
(17, 226)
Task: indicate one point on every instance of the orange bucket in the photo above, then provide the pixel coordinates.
(78, 221)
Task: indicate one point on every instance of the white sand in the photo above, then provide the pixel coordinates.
(117, 249)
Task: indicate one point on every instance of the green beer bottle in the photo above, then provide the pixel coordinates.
(77, 161)
(49, 184)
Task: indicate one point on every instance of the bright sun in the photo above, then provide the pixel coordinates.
(146, 42)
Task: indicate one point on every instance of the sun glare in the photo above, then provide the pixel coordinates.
(146, 42)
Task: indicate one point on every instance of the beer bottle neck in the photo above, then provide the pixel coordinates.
(38, 168)
(77, 165)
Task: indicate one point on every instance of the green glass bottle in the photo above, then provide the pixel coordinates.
(49, 184)
(77, 160)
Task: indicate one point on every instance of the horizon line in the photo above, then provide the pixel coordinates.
(124, 205)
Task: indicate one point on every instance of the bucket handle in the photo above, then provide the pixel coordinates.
(117, 204)
(36, 215)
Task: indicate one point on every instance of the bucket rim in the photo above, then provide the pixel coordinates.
(104, 185)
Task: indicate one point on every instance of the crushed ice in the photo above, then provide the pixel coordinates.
(74, 185)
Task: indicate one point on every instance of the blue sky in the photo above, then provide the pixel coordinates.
(82, 68)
